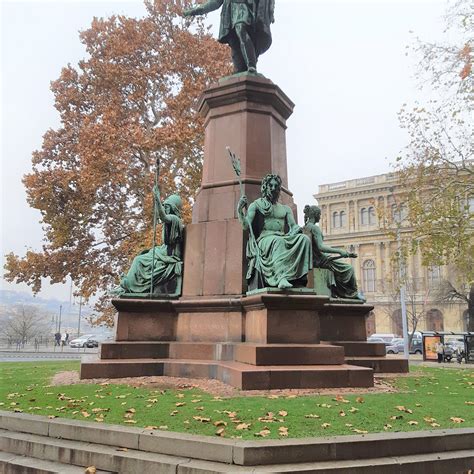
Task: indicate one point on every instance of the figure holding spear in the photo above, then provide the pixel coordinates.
(157, 272)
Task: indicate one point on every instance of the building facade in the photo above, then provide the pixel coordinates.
(351, 215)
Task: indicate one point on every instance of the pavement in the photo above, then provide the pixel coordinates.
(28, 353)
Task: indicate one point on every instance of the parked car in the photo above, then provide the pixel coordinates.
(387, 338)
(398, 347)
(94, 341)
(379, 340)
(81, 341)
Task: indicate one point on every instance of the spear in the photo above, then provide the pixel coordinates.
(157, 174)
(238, 171)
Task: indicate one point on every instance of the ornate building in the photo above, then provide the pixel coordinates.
(350, 219)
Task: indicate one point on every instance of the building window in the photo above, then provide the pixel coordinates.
(342, 219)
(363, 216)
(434, 275)
(470, 203)
(368, 276)
(434, 320)
(335, 220)
(371, 216)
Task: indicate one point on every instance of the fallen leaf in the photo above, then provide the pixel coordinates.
(412, 422)
(220, 432)
(180, 395)
(456, 419)
(435, 425)
(429, 419)
(264, 433)
(220, 423)
(163, 427)
(283, 413)
(342, 413)
(359, 400)
(85, 414)
(90, 470)
(174, 413)
(242, 426)
(325, 425)
(355, 430)
(151, 427)
(387, 427)
(180, 404)
(312, 416)
(341, 399)
(201, 419)
(353, 409)
(130, 421)
(283, 431)
(121, 449)
(197, 400)
(349, 425)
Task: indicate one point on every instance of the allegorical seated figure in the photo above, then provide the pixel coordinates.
(341, 278)
(158, 271)
(278, 253)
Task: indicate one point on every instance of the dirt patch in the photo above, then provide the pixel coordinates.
(214, 387)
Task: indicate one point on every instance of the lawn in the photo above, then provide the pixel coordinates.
(433, 398)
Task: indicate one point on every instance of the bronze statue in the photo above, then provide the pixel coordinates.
(245, 27)
(340, 279)
(157, 272)
(278, 253)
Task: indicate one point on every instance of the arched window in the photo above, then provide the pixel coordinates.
(342, 219)
(371, 216)
(335, 220)
(363, 216)
(368, 276)
(434, 320)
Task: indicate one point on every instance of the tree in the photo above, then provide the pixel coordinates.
(24, 322)
(438, 168)
(131, 101)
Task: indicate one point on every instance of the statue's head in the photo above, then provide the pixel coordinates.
(173, 205)
(271, 187)
(312, 212)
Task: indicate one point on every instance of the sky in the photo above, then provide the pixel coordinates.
(342, 62)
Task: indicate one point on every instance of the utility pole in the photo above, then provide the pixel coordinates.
(59, 321)
(79, 319)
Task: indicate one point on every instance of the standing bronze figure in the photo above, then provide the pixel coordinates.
(245, 27)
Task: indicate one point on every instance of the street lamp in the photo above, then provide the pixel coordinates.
(401, 274)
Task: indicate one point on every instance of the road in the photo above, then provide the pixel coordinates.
(29, 356)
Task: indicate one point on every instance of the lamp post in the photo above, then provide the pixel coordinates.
(79, 318)
(402, 275)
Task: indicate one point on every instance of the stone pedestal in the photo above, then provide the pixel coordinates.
(270, 340)
(249, 115)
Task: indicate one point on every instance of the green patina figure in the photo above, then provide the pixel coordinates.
(245, 27)
(278, 253)
(340, 278)
(157, 272)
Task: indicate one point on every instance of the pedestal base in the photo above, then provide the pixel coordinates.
(259, 342)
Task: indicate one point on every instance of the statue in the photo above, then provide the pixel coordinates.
(245, 27)
(157, 272)
(340, 278)
(278, 253)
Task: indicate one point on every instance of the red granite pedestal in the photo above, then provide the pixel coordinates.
(270, 340)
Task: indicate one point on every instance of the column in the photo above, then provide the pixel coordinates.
(378, 266)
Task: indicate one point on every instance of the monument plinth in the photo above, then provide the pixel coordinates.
(271, 339)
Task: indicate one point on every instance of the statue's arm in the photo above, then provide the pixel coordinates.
(246, 220)
(204, 8)
(293, 227)
(318, 240)
(159, 206)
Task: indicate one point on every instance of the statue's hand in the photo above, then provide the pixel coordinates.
(353, 255)
(344, 254)
(243, 204)
(295, 230)
(156, 192)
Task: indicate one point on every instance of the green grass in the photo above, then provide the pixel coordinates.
(427, 400)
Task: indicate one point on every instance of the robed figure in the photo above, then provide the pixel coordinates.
(245, 27)
(158, 271)
(340, 279)
(278, 253)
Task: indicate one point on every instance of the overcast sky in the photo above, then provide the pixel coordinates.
(343, 63)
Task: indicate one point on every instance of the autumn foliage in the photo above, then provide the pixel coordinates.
(130, 101)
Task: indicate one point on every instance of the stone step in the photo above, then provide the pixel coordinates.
(16, 464)
(360, 348)
(288, 354)
(248, 353)
(454, 462)
(78, 453)
(237, 374)
(381, 365)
